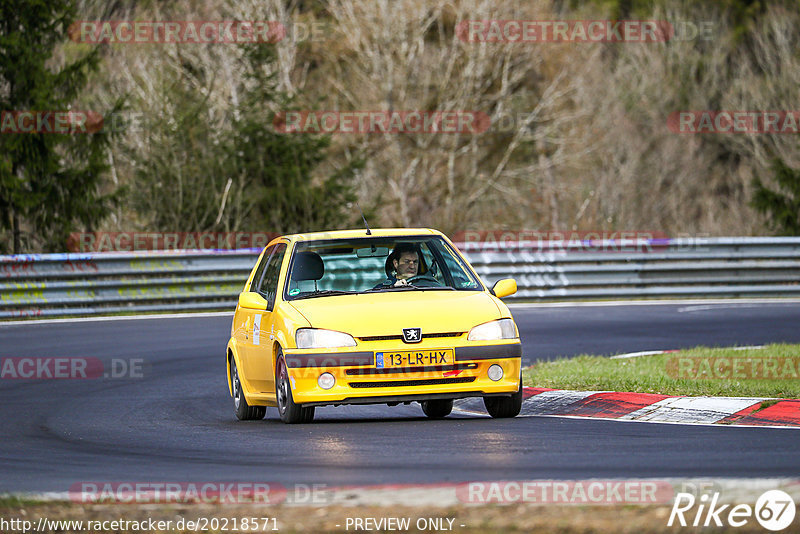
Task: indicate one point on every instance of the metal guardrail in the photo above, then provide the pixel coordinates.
(42, 285)
(53, 285)
(710, 267)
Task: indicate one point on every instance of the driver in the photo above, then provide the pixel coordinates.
(406, 264)
(404, 261)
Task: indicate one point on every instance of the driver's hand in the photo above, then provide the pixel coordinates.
(401, 282)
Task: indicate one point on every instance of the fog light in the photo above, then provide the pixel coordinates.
(495, 372)
(326, 380)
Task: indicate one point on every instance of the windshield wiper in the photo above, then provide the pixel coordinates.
(431, 287)
(324, 293)
(389, 288)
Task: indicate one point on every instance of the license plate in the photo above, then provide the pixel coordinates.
(409, 358)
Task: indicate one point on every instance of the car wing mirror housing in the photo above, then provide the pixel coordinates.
(253, 301)
(505, 287)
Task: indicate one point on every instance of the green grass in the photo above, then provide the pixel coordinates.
(694, 372)
(16, 501)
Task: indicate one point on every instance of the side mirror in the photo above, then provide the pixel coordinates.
(505, 287)
(252, 301)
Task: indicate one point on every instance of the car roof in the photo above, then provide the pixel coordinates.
(361, 232)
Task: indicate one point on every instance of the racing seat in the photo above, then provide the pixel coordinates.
(308, 266)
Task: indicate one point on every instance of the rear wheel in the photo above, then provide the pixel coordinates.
(244, 412)
(436, 409)
(289, 411)
(501, 407)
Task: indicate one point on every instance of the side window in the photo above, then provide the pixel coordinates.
(461, 280)
(430, 262)
(261, 266)
(269, 283)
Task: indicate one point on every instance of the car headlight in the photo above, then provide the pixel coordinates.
(500, 329)
(317, 338)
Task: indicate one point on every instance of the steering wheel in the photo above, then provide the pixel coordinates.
(425, 279)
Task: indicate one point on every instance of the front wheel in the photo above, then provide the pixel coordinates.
(244, 412)
(289, 411)
(501, 407)
(436, 409)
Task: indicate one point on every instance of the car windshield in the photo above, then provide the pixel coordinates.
(361, 265)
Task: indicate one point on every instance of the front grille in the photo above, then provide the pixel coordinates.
(418, 369)
(406, 383)
(400, 336)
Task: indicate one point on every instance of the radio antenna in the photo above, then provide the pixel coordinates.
(363, 219)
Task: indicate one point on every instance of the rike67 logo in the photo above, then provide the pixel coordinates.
(774, 510)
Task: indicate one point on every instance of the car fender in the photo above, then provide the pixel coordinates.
(287, 321)
(281, 340)
(232, 352)
(502, 307)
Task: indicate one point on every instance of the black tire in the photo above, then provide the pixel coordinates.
(244, 412)
(309, 414)
(437, 409)
(502, 407)
(290, 412)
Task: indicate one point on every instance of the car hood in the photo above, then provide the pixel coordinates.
(383, 314)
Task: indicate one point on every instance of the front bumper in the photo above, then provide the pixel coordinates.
(358, 381)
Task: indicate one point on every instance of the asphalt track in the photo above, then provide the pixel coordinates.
(176, 423)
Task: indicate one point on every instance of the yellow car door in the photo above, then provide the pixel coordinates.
(258, 361)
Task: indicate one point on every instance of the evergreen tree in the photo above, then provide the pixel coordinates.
(782, 206)
(179, 171)
(201, 174)
(281, 164)
(49, 182)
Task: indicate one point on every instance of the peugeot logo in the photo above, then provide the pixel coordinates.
(412, 335)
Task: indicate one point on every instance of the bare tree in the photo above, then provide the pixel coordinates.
(407, 55)
(578, 135)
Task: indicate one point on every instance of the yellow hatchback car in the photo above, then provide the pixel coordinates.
(367, 317)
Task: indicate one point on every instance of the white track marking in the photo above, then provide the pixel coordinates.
(515, 305)
(637, 354)
(548, 402)
(692, 409)
(652, 352)
(685, 423)
(118, 318)
(584, 304)
(704, 411)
